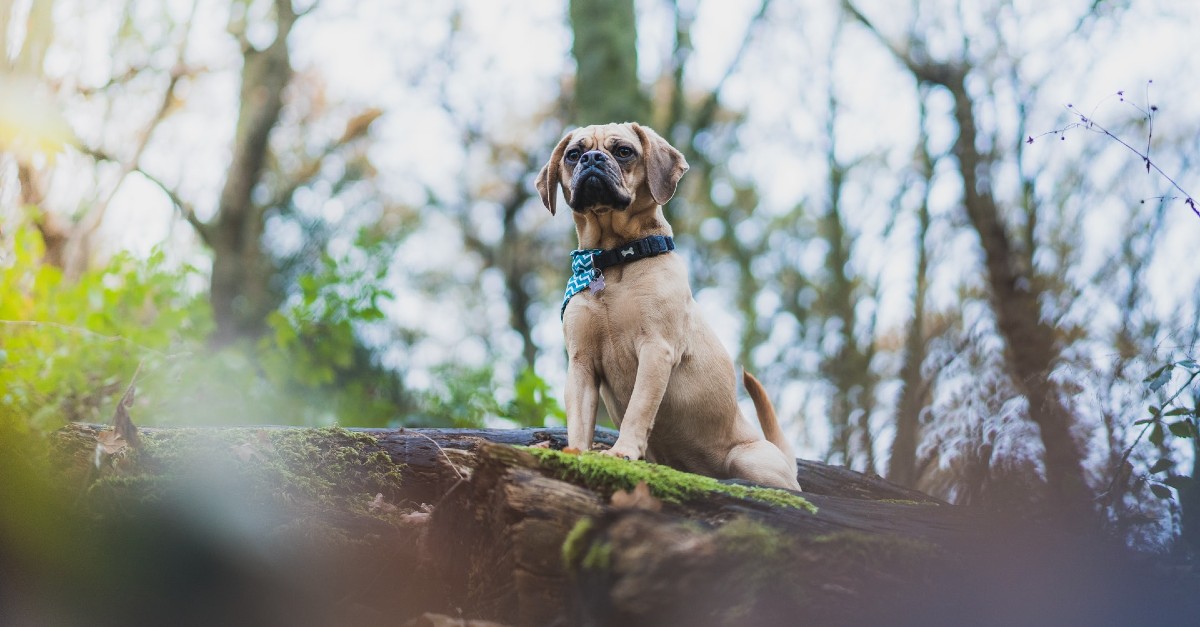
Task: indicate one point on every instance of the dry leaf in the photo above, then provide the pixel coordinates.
(111, 442)
(638, 498)
(379, 503)
(571, 450)
(262, 441)
(359, 124)
(108, 443)
(122, 424)
(415, 519)
(245, 452)
(542, 444)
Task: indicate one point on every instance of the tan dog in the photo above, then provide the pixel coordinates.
(639, 342)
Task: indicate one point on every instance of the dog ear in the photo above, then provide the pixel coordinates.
(664, 164)
(548, 178)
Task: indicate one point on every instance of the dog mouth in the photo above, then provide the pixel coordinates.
(594, 189)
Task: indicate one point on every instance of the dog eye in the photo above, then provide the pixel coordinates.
(573, 155)
(624, 152)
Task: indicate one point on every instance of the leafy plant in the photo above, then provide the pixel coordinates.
(467, 397)
(1173, 419)
(313, 338)
(68, 349)
(313, 367)
(461, 396)
(533, 402)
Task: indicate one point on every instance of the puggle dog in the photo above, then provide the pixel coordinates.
(635, 337)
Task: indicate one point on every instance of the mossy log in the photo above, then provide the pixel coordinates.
(384, 527)
(544, 537)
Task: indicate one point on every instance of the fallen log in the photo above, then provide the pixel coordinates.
(384, 527)
(543, 536)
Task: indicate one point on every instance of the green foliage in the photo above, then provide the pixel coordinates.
(313, 339)
(461, 396)
(1173, 419)
(69, 349)
(533, 402)
(466, 397)
(313, 353)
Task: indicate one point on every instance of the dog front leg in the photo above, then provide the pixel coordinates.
(582, 391)
(655, 362)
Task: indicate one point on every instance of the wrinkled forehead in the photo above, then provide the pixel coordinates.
(602, 136)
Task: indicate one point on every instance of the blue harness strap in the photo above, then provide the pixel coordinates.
(587, 263)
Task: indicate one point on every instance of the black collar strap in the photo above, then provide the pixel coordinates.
(637, 249)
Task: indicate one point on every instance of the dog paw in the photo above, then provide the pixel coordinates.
(622, 452)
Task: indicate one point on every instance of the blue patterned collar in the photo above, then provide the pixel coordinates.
(587, 264)
(583, 274)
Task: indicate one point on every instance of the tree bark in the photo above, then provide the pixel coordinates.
(241, 293)
(605, 51)
(914, 390)
(1031, 346)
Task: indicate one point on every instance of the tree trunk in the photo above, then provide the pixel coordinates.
(914, 391)
(605, 51)
(241, 293)
(1031, 347)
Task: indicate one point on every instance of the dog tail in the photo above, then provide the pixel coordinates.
(766, 415)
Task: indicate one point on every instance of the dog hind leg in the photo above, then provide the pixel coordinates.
(763, 463)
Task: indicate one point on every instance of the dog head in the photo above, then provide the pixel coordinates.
(611, 167)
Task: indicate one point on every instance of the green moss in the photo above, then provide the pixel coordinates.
(288, 470)
(71, 442)
(746, 538)
(598, 557)
(862, 547)
(574, 542)
(906, 502)
(113, 494)
(609, 474)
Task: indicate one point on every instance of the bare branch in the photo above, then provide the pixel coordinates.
(708, 108)
(1089, 124)
(185, 208)
(356, 128)
(924, 69)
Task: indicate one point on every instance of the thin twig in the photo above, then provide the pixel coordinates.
(86, 331)
(87, 227)
(444, 455)
(185, 209)
(1089, 124)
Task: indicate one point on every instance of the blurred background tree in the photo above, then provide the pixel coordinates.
(309, 212)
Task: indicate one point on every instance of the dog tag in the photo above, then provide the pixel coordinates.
(597, 283)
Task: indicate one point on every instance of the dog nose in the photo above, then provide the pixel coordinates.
(592, 157)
